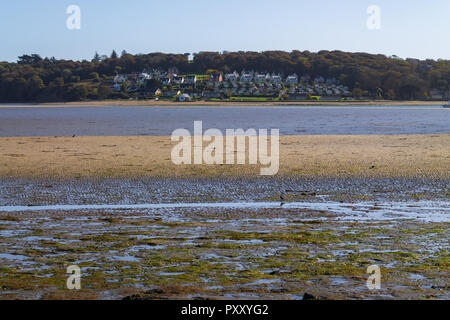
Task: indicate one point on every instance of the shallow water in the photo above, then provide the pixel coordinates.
(154, 121)
(225, 251)
(426, 211)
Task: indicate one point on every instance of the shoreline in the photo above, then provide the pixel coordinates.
(154, 103)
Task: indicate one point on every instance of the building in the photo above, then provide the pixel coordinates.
(437, 95)
(246, 77)
(233, 77)
(178, 80)
(120, 78)
(276, 79)
(260, 78)
(190, 79)
(215, 77)
(165, 80)
(319, 80)
(117, 87)
(292, 79)
(142, 78)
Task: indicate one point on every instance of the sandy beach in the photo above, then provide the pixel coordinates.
(107, 103)
(300, 156)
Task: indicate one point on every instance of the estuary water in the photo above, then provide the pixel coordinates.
(157, 121)
(425, 211)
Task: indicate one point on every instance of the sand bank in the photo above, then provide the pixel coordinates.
(139, 156)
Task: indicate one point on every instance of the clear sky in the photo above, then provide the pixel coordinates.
(409, 28)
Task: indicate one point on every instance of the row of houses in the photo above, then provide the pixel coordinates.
(216, 83)
(249, 77)
(170, 77)
(300, 91)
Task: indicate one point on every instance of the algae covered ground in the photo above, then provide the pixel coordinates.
(319, 240)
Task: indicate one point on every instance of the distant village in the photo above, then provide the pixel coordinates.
(214, 84)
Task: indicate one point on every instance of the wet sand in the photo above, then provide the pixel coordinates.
(320, 241)
(413, 156)
(222, 253)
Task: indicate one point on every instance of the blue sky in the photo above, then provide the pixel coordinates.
(414, 28)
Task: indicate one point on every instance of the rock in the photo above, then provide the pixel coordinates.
(276, 272)
(133, 297)
(155, 291)
(308, 296)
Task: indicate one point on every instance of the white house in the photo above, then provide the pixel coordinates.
(232, 76)
(260, 78)
(165, 81)
(190, 79)
(276, 79)
(117, 87)
(436, 94)
(120, 78)
(319, 80)
(292, 79)
(246, 77)
(178, 80)
(143, 77)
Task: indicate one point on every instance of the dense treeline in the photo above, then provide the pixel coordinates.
(34, 79)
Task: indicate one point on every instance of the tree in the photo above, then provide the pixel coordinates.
(77, 92)
(391, 94)
(114, 55)
(34, 78)
(96, 57)
(94, 76)
(152, 84)
(34, 86)
(124, 87)
(357, 93)
(104, 91)
(29, 59)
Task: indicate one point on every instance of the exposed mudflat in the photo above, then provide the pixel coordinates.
(42, 192)
(232, 238)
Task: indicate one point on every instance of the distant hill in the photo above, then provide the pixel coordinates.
(36, 79)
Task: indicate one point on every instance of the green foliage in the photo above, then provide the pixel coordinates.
(34, 78)
(152, 84)
(357, 93)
